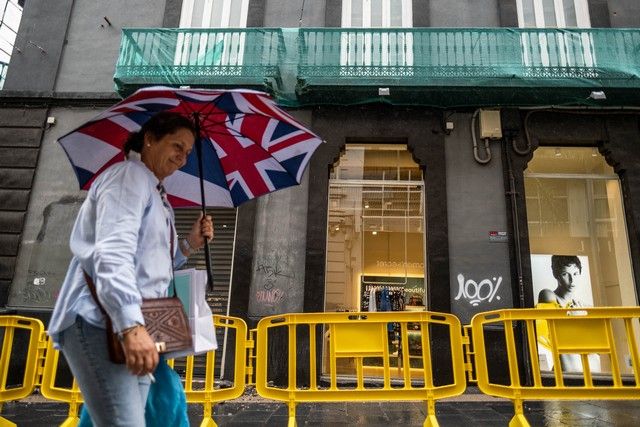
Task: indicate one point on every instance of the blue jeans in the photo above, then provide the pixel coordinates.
(112, 395)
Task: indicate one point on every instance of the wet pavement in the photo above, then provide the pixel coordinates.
(463, 411)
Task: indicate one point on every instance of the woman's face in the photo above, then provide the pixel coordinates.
(567, 277)
(166, 155)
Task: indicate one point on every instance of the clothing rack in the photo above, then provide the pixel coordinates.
(396, 292)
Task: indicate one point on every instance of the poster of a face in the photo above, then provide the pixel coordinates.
(563, 279)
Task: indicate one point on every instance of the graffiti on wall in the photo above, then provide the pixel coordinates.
(274, 276)
(476, 293)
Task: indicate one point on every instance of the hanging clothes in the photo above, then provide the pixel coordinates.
(373, 306)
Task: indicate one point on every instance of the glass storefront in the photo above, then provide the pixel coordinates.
(375, 234)
(578, 240)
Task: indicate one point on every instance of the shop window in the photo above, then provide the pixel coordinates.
(224, 47)
(377, 48)
(375, 236)
(578, 240)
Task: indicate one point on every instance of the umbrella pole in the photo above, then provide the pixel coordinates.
(207, 251)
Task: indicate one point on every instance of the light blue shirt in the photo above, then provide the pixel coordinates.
(121, 238)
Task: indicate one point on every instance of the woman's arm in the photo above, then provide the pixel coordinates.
(201, 229)
(121, 200)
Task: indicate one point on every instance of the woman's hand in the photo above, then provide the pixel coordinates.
(201, 229)
(140, 351)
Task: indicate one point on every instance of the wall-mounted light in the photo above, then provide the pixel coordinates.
(375, 233)
(558, 153)
(366, 205)
(597, 94)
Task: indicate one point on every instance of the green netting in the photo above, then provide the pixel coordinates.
(420, 66)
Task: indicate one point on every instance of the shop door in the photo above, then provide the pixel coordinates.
(375, 234)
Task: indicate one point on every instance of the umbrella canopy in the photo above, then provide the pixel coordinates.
(249, 146)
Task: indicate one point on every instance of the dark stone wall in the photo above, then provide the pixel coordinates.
(242, 261)
(20, 135)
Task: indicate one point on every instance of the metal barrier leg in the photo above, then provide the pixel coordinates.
(5, 422)
(519, 420)
(73, 418)
(431, 420)
(207, 416)
(70, 422)
(292, 414)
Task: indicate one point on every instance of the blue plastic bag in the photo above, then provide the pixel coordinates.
(166, 404)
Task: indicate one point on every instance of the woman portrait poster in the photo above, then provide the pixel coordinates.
(561, 281)
(574, 290)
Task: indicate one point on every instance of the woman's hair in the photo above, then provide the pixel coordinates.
(558, 262)
(158, 126)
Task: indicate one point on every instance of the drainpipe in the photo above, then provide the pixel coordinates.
(513, 194)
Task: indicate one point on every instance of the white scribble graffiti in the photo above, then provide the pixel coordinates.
(475, 292)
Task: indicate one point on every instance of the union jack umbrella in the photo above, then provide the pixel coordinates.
(246, 146)
(250, 147)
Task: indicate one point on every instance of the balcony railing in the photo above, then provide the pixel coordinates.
(469, 57)
(453, 66)
(202, 57)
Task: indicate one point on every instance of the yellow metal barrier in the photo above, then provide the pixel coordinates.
(9, 325)
(355, 341)
(49, 390)
(575, 332)
(469, 354)
(206, 396)
(210, 395)
(251, 357)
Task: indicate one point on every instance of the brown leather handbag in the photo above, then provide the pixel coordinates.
(165, 321)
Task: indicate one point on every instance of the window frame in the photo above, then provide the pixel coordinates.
(407, 14)
(186, 15)
(583, 19)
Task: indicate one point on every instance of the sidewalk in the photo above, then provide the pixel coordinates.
(470, 409)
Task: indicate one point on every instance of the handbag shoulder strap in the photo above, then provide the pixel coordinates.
(94, 294)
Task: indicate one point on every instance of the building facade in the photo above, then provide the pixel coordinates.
(467, 142)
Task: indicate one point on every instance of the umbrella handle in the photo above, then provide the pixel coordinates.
(207, 251)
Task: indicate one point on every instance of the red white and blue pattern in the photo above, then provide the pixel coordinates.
(250, 146)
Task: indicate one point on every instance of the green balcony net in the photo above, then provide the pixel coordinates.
(419, 66)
